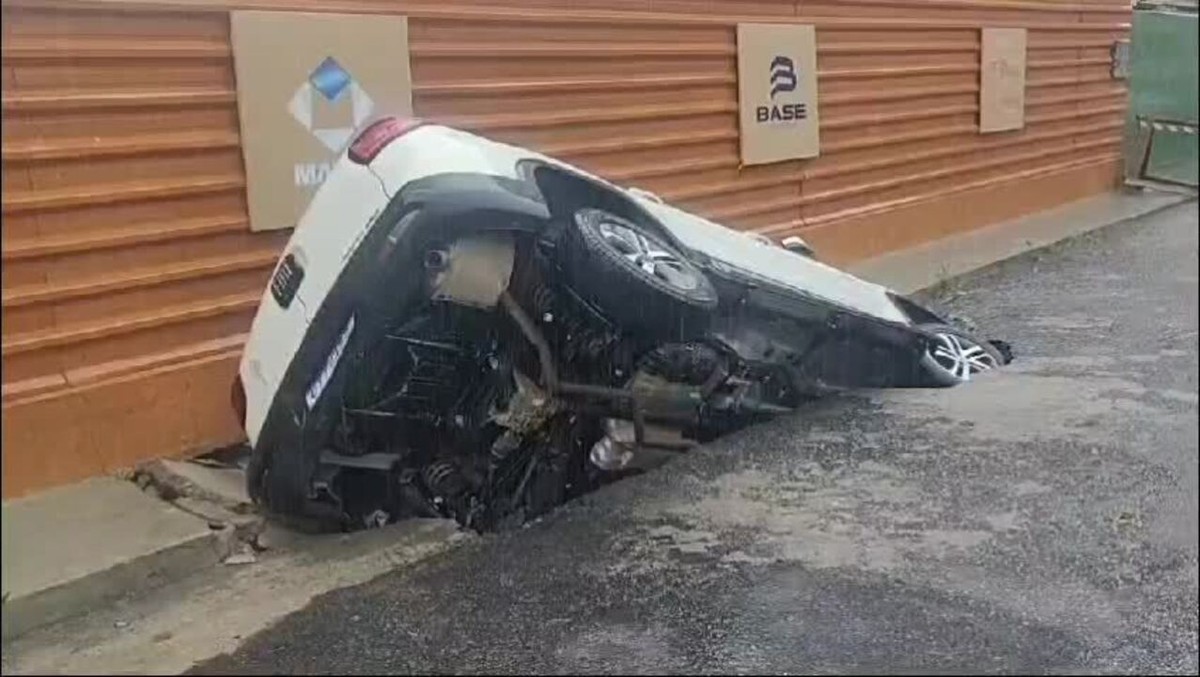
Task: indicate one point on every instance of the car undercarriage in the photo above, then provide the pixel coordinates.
(491, 347)
(483, 414)
(509, 391)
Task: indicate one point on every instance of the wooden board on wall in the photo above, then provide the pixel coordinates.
(301, 98)
(1002, 79)
(777, 92)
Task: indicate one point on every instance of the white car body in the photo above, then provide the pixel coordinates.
(354, 195)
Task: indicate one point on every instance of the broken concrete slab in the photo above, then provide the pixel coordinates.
(81, 546)
(223, 485)
(213, 492)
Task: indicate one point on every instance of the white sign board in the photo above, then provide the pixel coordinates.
(305, 84)
(1002, 79)
(777, 92)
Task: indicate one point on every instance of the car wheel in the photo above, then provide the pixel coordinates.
(955, 356)
(635, 276)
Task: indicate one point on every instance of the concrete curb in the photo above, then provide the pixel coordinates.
(215, 610)
(928, 265)
(75, 548)
(907, 271)
(67, 600)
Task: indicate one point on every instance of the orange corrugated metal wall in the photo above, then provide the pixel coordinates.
(130, 274)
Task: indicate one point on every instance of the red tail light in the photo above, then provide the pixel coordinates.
(377, 136)
(237, 397)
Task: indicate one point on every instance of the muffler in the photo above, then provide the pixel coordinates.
(619, 448)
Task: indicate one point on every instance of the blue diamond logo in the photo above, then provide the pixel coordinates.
(330, 79)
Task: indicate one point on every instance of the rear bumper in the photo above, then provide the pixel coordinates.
(355, 312)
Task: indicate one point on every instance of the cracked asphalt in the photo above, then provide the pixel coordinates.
(1041, 520)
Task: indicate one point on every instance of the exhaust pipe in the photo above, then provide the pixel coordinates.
(620, 449)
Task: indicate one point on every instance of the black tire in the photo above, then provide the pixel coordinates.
(935, 369)
(678, 307)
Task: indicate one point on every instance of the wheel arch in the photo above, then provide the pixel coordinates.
(565, 191)
(455, 195)
(916, 313)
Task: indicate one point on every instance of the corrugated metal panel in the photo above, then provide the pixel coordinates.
(129, 268)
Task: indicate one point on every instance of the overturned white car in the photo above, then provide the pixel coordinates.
(463, 328)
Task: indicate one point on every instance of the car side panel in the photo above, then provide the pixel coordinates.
(776, 264)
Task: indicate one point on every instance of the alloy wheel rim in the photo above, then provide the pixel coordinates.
(647, 255)
(959, 357)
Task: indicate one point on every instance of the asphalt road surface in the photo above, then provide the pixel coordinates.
(1042, 519)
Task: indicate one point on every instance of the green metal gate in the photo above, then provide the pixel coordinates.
(1163, 110)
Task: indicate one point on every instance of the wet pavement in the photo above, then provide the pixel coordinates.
(1042, 519)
